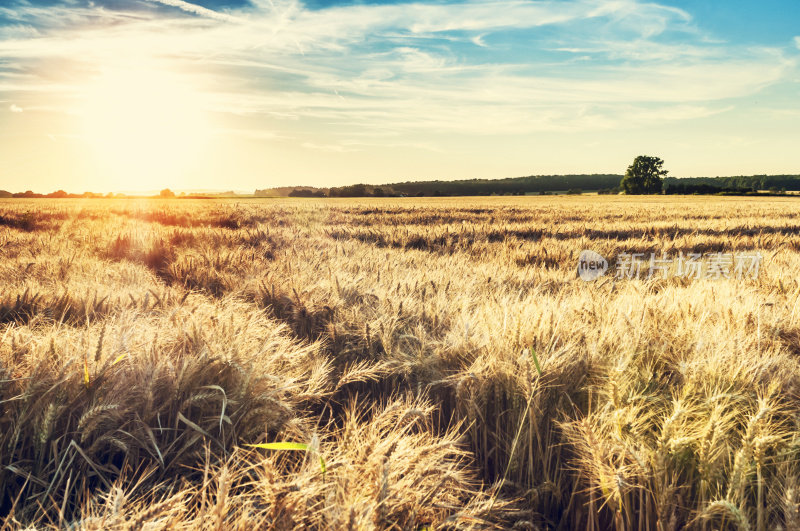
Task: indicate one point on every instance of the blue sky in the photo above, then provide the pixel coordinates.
(128, 94)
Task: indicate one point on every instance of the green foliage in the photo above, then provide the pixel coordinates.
(644, 176)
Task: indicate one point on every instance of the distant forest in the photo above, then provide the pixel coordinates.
(732, 185)
(546, 184)
(538, 184)
(509, 186)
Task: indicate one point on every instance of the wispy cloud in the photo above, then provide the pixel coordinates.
(197, 10)
(330, 148)
(477, 40)
(15, 108)
(410, 69)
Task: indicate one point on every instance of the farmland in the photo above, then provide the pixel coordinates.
(434, 363)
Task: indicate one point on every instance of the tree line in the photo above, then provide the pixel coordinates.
(59, 194)
(646, 175)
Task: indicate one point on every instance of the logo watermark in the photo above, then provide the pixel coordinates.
(712, 266)
(591, 265)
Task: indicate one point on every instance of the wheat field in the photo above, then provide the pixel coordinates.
(396, 364)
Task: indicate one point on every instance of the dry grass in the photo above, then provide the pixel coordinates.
(440, 357)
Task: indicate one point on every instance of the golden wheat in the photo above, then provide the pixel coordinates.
(439, 357)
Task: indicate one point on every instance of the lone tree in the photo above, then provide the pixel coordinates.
(644, 176)
(166, 193)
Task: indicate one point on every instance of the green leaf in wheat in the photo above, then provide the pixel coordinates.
(536, 361)
(290, 446)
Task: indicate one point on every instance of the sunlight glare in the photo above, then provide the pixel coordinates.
(146, 127)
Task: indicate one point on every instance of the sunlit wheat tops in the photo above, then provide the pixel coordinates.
(382, 364)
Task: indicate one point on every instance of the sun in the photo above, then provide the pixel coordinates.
(145, 127)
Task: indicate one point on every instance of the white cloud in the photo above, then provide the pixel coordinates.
(289, 26)
(15, 108)
(197, 10)
(407, 68)
(477, 40)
